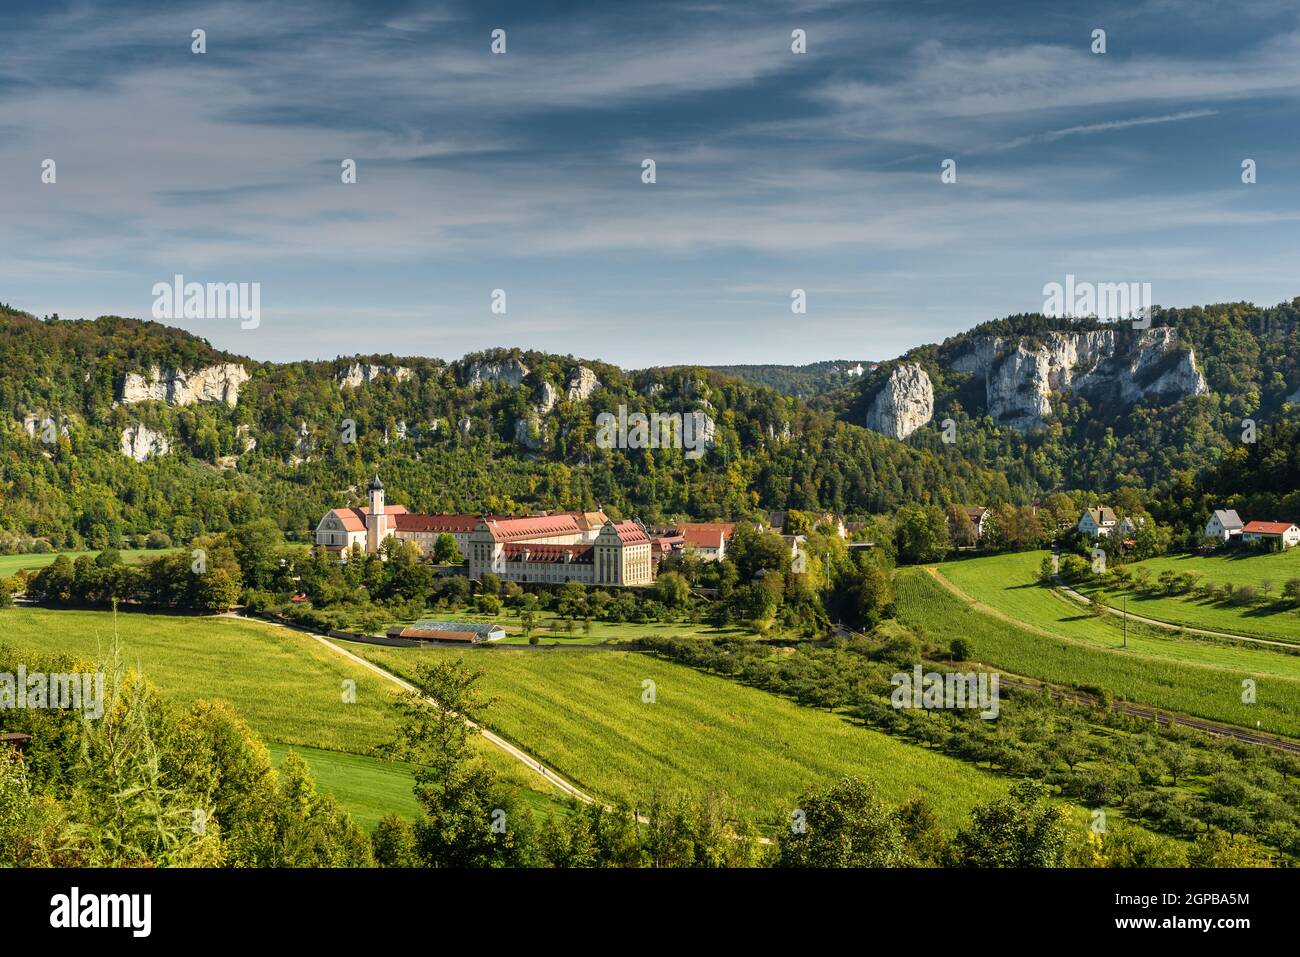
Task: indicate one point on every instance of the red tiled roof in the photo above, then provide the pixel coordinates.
(1267, 528)
(354, 519)
(415, 522)
(702, 536)
(630, 533)
(544, 526)
(581, 554)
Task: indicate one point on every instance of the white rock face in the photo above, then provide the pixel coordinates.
(582, 383)
(219, 383)
(530, 432)
(1116, 365)
(44, 426)
(511, 372)
(549, 397)
(904, 404)
(706, 430)
(363, 373)
(243, 432)
(140, 443)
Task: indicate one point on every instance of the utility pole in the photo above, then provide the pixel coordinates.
(1125, 621)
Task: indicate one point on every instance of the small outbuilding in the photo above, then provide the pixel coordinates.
(455, 632)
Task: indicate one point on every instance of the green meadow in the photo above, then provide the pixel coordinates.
(32, 560)
(286, 685)
(1272, 621)
(1197, 678)
(583, 713)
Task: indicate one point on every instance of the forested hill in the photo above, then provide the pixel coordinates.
(1084, 404)
(115, 428)
(803, 381)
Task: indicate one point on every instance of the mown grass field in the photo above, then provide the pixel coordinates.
(287, 686)
(1195, 687)
(1269, 621)
(14, 563)
(1008, 584)
(582, 712)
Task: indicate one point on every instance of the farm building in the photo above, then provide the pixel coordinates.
(1285, 534)
(460, 632)
(1223, 524)
(1097, 521)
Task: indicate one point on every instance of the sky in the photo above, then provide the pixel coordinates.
(523, 171)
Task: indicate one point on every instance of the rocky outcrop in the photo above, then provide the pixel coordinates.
(219, 383)
(549, 396)
(139, 442)
(903, 404)
(364, 373)
(1106, 365)
(244, 432)
(509, 371)
(530, 432)
(582, 383)
(45, 427)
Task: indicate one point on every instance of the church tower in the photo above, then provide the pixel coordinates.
(376, 520)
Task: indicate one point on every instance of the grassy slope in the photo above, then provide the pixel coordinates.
(1199, 689)
(286, 685)
(582, 712)
(1007, 583)
(1266, 622)
(12, 563)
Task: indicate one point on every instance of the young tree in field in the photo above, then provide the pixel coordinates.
(1021, 830)
(469, 821)
(846, 825)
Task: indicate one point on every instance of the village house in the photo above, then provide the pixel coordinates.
(1097, 522)
(1223, 524)
(1286, 534)
(706, 540)
(979, 517)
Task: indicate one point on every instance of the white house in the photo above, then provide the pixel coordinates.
(1097, 521)
(1284, 532)
(1223, 524)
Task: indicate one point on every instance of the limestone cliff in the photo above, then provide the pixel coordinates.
(582, 383)
(1116, 365)
(363, 373)
(140, 442)
(510, 371)
(218, 383)
(903, 404)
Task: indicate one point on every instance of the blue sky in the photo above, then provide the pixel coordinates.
(522, 172)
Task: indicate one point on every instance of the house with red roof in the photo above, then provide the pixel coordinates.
(706, 540)
(1286, 534)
